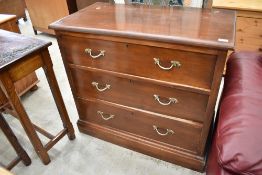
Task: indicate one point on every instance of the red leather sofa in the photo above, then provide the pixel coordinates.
(237, 143)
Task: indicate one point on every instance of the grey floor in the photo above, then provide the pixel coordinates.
(86, 154)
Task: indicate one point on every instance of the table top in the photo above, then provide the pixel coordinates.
(247, 5)
(181, 25)
(5, 17)
(16, 46)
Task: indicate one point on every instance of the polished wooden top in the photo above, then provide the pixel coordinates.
(249, 5)
(5, 17)
(16, 46)
(202, 27)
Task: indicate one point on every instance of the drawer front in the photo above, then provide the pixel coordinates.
(181, 67)
(249, 34)
(173, 132)
(139, 94)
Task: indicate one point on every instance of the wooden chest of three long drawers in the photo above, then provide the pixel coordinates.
(145, 78)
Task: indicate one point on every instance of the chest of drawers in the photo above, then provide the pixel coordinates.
(147, 78)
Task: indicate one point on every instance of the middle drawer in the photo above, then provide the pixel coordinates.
(139, 94)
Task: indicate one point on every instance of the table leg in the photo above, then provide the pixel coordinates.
(16, 104)
(13, 141)
(50, 75)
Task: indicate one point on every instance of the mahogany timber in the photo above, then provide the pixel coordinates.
(186, 135)
(139, 94)
(198, 27)
(196, 70)
(132, 36)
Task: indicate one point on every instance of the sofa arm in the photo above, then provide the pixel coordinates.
(237, 145)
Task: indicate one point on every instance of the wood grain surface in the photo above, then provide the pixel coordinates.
(250, 5)
(42, 13)
(195, 70)
(248, 24)
(139, 94)
(118, 47)
(196, 26)
(185, 136)
(249, 34)
(15, 46)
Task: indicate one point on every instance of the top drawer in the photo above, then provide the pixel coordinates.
(183, 67)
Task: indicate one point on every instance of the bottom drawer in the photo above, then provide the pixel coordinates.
(180, 133)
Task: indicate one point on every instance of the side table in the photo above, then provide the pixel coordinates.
(20, 56)
(9, 23)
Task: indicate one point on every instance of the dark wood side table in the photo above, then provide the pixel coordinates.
(19, 56)
(22, 155)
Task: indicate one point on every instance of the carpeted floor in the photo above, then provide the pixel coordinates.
(86, 154)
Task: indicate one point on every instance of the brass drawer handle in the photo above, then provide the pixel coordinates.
(171, 100)
(168, 131)
(89, 51)
(103, 117)
(173, 64)
(95, 84)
